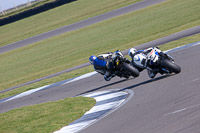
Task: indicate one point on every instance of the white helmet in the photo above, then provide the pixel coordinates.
(131, 51)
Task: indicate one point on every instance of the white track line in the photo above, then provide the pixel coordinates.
(109, 96)
(98, 111)
(26, 93)
(75, 127)
(104, 107)
(81, 77)
(181, 110)
(46, 86)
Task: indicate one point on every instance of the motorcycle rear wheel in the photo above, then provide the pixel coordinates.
(134, 72)
(172, 67)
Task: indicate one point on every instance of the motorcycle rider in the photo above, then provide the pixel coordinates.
(144, 59)
(103, 65)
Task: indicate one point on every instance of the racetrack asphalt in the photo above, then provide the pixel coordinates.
(168, 104)
(162, 105)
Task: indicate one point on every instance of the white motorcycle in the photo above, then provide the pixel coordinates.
(161, 62)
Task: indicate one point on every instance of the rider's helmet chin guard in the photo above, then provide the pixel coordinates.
(131, 51)
(92, 58)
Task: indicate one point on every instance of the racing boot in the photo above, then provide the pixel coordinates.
(108, 76)
(151, 73)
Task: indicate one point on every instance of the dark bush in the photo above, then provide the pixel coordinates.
(33, 11)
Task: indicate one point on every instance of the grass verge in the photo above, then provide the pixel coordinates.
(167, 46)
(74, 48)
(57, 17)
(46, 117)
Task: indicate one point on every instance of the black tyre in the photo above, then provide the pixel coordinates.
(172, 67)
(127, 67)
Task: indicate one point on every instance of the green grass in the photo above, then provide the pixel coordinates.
(56, 18)
(46, 117)
(75, 73)
(74, 48)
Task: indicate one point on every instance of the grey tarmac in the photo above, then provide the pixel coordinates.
(162, 105)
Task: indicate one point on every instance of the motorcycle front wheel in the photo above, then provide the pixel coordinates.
(127, 67)
(172, 67)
